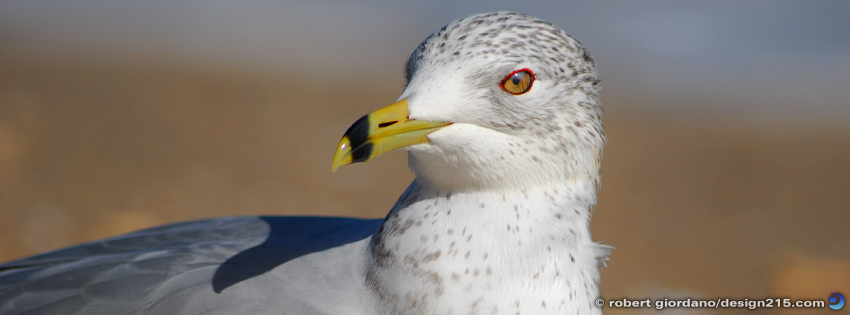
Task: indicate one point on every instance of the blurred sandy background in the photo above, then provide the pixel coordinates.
(727, 172)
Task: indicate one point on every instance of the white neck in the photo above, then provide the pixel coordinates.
(475, 252)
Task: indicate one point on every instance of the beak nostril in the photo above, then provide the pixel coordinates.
(387, 124)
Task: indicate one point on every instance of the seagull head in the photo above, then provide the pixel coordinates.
(492, 101)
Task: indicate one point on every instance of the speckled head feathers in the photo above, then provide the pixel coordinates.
(509, 36)
(552, 133)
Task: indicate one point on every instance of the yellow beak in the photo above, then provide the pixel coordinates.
(380, 132)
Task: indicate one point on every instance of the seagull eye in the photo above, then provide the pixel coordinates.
(518, 82)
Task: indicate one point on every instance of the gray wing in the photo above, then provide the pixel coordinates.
(210, 265)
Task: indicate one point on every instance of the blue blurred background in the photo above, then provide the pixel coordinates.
(727, 172)
(723, 56)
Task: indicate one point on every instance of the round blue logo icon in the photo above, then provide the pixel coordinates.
(836, 301)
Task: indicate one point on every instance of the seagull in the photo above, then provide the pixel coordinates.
(502, 123)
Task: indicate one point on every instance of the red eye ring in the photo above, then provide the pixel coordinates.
(521, 87)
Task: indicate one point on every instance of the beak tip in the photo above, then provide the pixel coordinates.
(343, 150)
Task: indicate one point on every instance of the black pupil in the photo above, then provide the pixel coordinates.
(516, 79)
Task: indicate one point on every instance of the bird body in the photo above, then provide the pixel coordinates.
(452, 253)
(503, 127)
(237, 265)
